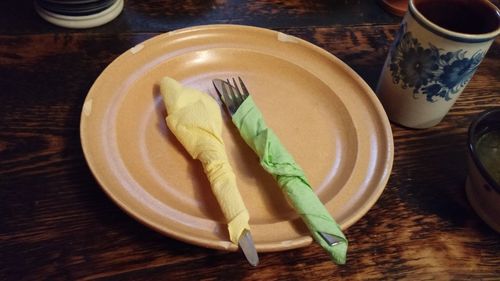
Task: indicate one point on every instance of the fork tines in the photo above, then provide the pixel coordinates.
(230, 94)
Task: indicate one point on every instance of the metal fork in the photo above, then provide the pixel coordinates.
(233, 97)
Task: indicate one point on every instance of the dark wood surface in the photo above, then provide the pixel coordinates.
(56, 223)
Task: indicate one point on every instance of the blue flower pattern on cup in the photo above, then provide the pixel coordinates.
(430, 71)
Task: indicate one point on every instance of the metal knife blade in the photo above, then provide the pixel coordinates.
(247, 246)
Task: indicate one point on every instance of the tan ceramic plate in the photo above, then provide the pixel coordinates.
(324, 113)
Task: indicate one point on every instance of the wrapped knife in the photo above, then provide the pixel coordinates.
(195, 119)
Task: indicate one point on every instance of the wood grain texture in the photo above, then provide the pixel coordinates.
(19, 17)
(57, 224)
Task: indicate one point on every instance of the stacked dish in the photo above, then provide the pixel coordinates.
(78, 13)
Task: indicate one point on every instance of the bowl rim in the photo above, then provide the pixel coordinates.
(472, 149)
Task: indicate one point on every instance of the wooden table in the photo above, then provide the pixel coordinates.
(56, 223)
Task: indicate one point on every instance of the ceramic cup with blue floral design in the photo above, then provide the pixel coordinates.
(438, 48)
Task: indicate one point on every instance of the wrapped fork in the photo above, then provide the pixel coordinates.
(276, 160)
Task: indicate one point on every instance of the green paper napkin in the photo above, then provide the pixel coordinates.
(277, 161)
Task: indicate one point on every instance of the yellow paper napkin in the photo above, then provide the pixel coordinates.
(195, 119)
